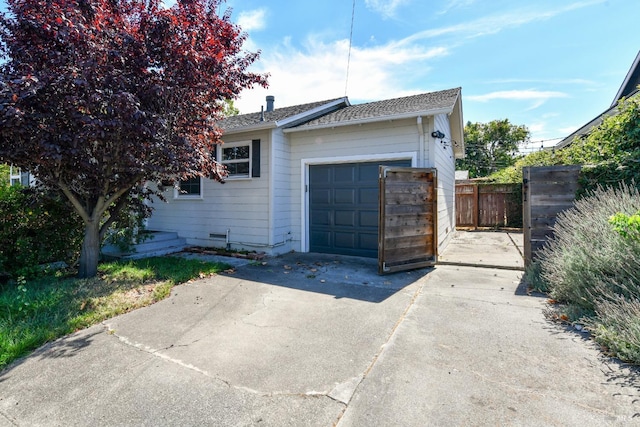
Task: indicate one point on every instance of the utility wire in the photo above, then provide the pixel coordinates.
(353, 14)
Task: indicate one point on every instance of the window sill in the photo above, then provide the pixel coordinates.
(188, 198)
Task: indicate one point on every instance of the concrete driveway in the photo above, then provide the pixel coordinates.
(313, 340)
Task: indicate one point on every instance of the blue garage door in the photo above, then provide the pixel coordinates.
(343, 206)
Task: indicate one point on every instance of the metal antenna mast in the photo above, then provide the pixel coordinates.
(353, 14)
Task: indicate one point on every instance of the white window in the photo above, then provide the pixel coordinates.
(236, 156)
(189, 189)
(17, 177)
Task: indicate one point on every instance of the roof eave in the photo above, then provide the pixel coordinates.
(312, 114)
(627, 79)
(251, 128)
(292, 120)
(371, 120)
(458, 128)
(586, 129)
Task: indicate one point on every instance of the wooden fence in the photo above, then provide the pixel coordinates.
(488, 205)
(546, 191)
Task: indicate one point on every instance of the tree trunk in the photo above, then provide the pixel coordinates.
(90, 252)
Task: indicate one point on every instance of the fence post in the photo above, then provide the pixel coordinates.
(476, 206)
(526, 215)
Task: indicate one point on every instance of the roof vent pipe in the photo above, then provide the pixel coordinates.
(262, 113)
(270, 101)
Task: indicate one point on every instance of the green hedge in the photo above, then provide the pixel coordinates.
(592, 265)
(36, 228)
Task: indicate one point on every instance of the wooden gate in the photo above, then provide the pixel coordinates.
(546, 191)
(407, 234)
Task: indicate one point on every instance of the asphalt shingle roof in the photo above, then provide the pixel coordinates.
(251, 119)
(388, 108)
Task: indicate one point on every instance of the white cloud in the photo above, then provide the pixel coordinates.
(519, 95)
(558, 81)
(537, 97)
(387, 8)
(496, 23)
(569, 129)
(252, 20)
(318, 71)
(455, 4)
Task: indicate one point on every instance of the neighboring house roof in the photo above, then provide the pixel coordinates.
(630, 83)
(628, 89)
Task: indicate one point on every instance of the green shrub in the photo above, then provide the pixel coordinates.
(616, 326)
(587, 260)
(628, 226)
(539, 158)
(4, 175)
(36, 228)
(610, 152)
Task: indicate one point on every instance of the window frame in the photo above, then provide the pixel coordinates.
(178, 195)
(249, 159)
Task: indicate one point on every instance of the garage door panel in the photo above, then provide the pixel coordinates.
(320, 218)
(344, 173)
(368, 196)
(320, 174)
(345, 219)
(345, 240)
(368, 172)
(321, 196)
(369, 219)
(321, 238)
(345, 196)
(368, 241)
(344, 207)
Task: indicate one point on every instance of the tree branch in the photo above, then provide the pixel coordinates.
(82, 211)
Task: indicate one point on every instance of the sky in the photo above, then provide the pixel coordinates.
(551, 65)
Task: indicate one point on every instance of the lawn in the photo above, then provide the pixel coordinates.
(53, 305)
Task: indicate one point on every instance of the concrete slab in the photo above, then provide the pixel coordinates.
(228, 350)
(315, 340)
(473, 351)
(498, 249)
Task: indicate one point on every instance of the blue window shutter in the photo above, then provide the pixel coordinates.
(255, 158)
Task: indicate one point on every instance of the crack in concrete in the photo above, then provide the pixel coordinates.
(540, 394)
(433, 293)
(9, 419)
(157, 353)
(248, 323)
(382, 349)
(516, 245)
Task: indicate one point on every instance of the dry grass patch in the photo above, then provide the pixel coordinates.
(35, 312)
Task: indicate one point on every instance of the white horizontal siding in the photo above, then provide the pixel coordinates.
(354, 143)
(280, 237)
(240, 206)
(445, 165)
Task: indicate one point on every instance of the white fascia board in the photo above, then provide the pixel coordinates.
(635, 65)
(411, 115)
(459, 150)
(312, 113)
(261, 126)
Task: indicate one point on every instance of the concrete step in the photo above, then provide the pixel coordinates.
(157, 244)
